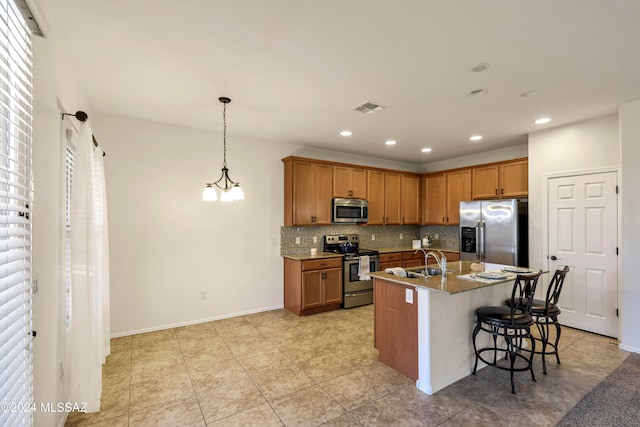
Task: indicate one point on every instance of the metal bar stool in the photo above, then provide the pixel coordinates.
(513, 324)
(545, 312)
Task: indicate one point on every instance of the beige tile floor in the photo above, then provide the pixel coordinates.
(275, 368)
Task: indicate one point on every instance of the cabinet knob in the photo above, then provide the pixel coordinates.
(502, 191)
(496, 191)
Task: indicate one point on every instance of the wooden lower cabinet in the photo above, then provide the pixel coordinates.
(390, 260)
(312, 286)
(451, 256)
(412, 259)
(396, 326)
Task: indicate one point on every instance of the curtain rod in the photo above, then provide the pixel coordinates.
(82, 116)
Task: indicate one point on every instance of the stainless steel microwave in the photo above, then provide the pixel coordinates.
(350, 210)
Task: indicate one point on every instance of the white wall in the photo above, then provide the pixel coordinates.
(167, 246)
(586, 145)
(477, 159)
(55, 90)
(589, 144)
(629, 246)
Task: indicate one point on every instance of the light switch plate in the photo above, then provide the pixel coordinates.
(408, 296)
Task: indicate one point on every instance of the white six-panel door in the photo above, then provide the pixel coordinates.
(583, 234)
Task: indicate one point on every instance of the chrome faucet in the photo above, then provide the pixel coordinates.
(441, 261)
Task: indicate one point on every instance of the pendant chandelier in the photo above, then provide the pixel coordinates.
(230, 190)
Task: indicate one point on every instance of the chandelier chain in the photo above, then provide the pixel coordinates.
(224, 134)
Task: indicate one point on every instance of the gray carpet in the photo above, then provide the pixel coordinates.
(613, 402)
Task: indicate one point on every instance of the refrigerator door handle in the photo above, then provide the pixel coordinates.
(482, 243)
(478, 254)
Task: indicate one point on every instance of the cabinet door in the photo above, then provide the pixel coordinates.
(341, 181)
(332, 284)
(484, 182)
(434, 209)
(412, 263)
(322, 194)
(458, 189)
(514, 179)
(392, 198)
(375, 196)
(452, 256)
(349, 183)
(358, 183)
(312, 294)
(410, 206)
(303, 194)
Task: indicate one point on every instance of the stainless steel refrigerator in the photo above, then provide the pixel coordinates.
(495, 231)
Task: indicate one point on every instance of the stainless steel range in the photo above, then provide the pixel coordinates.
(357, 286)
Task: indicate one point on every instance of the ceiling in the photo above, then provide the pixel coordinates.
(294, 69)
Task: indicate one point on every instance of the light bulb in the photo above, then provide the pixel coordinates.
(237, 193)
(226, 196)
(209, 194)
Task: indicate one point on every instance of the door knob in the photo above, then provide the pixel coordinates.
(554, 258)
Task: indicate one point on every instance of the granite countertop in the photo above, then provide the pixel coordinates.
(451, 284)
(432, 248)
(308, 256)
(320, 255)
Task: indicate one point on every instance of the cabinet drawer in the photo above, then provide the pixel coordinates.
(391, 257)
(412, 255)
(320, 264)
(385, 265)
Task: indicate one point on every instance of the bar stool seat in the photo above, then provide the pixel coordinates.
(545, 313)
(513, 325)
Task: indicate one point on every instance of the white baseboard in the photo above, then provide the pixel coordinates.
(193, 322)
(621, 346)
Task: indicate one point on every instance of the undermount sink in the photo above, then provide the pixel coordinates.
(419, 272)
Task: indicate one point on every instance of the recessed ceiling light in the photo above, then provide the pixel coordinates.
(346, 133)
(475, 138)
(390, 142)
(479, 67)
(426, 150)
(477, 92)
(529, 93)
(542, 121)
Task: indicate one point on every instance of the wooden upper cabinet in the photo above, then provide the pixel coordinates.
(349, 183)
(307, 192)
(458, 189)
(514, 179)
(485, 182)
(434, 199)
(392, 198)
(322, 194)
(501, 180)
(383, 195)
(410, 201)
(375, 197)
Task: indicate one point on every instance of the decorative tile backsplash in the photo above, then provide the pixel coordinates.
(386, 236)
(449, 235)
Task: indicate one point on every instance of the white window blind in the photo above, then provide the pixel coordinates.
(15, 223)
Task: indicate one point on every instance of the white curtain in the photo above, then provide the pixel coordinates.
(89, 331)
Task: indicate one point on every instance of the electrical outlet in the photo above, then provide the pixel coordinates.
(297, 240)
(203, 295)
(408, 295)
(373, 237)
(315, 239)
(401, 236)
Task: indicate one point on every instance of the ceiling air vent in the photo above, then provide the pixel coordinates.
(368, 108)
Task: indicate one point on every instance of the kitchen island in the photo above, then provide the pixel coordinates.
(423, 326)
